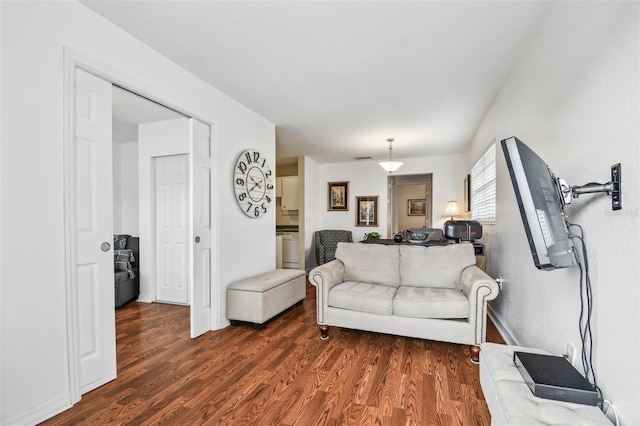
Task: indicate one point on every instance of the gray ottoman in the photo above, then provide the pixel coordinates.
(259, 298)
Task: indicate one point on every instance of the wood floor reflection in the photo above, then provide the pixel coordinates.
(282, 375)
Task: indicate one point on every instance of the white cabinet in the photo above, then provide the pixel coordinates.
(289, 193)
(290, 251)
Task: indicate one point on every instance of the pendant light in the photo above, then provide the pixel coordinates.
(390, 166)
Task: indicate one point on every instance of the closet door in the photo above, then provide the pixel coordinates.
(201, 164)
(92, 205)
(172, 221)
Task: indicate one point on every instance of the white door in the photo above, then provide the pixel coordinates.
(201, 233)
(93, 212)
(172, 221)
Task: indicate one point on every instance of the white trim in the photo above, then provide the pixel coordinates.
(218, 321)
(502, 329)
(40, 413)
(1, 286)
(74, 59)
(71, 282)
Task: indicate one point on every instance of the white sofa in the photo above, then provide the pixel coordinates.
(435, 293)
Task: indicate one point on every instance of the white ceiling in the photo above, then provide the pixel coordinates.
(338, 78)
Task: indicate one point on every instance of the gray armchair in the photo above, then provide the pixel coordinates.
(327, 243)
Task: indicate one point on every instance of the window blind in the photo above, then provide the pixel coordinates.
(483, 187)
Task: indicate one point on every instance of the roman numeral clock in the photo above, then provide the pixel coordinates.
(253, 183)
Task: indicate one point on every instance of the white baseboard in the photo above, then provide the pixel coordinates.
(502, 329)
(146, 298)
(41, 413)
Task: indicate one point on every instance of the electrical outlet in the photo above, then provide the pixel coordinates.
(571, 353)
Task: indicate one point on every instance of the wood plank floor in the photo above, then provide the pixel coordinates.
(282, 375)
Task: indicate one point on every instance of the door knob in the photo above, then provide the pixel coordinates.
(105, 246)
(197, 239)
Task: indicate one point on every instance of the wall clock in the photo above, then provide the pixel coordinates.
(253, 183)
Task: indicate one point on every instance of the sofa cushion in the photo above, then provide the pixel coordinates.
(363, 297)
(370, 263)
(420, 302)
(435, 266)
(120, 276)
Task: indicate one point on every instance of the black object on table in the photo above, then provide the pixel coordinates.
(390, 241)
(477, 247)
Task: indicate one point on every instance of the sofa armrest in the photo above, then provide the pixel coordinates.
(479, 289)
(323, 278)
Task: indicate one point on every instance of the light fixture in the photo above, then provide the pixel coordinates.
(390, 166)
(452, 209)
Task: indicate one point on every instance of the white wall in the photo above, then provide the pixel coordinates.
(34, 362)
(125, 188)
(169, 137)
(573, 97)
(368, 178)
(314, 205)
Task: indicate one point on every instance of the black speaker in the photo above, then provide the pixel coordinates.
(462, 230)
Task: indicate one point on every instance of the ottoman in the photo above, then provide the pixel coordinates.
(261, 297)
(511, 402)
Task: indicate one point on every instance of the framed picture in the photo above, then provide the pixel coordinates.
(417, 207)
(338, 196)
(367, 211)
(467, 193)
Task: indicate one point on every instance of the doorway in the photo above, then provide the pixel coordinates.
(88, 173)
(169, 192)
(166, 132)
(410, 203)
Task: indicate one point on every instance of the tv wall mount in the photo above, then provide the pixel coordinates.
(612, 188)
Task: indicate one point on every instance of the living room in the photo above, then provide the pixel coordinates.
(571, 94)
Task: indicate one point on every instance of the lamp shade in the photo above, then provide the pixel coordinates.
(452, 209)
(391, 166)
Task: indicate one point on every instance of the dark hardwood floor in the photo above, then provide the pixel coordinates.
(282, 375)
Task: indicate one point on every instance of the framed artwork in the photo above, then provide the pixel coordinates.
(467, 193)
(367, 210)
(417, 207)
(338, 196)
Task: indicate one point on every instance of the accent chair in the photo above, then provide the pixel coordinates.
(327, 242)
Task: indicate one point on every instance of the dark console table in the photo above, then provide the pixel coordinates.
(391, 241)
(478, 247)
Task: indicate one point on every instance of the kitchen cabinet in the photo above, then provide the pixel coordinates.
(289, 193)
(278, 187)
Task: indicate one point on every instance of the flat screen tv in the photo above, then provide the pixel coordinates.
(540, 207)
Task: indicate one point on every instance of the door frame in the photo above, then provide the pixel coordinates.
(72, 60)
(393, 182)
